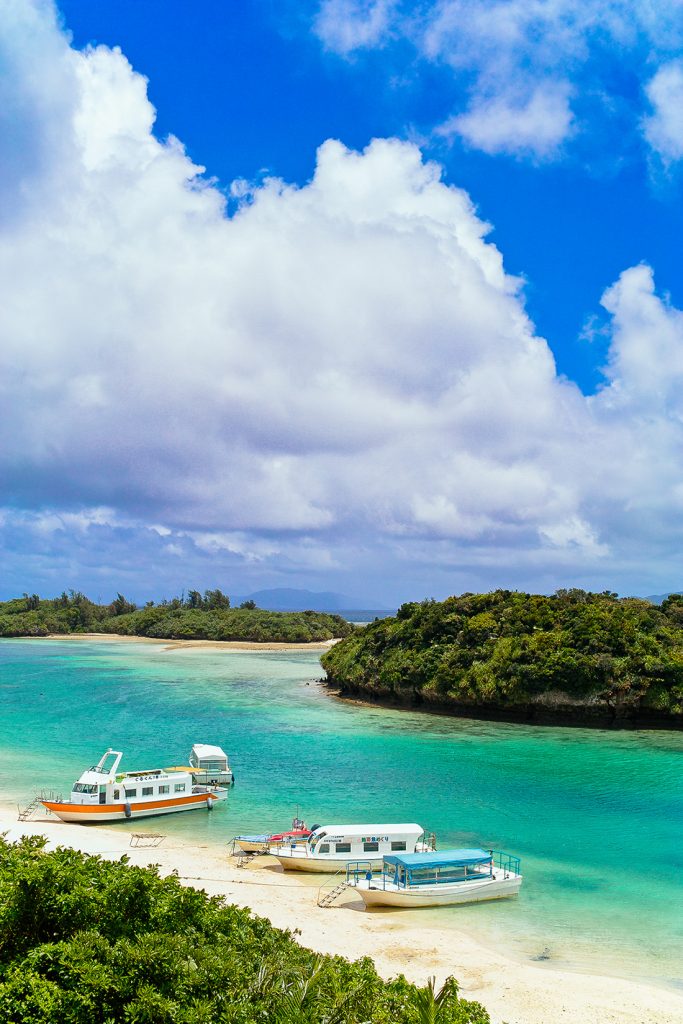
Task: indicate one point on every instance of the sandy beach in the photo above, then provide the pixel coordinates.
(175, 645)
(515, 993)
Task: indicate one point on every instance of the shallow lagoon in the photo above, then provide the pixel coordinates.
(597, 817)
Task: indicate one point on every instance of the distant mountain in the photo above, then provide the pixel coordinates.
(288, 599)
(658, 598)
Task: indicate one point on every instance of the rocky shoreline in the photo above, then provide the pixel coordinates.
(552, 709)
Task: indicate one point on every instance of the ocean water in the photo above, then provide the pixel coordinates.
(596, 816)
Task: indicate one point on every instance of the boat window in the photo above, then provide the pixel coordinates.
(343, 847)
(131, 792)
(179, 787)
(116, 794)
(324, 848)
(398, 845)
(84, 787)
(147, 790)
(164, 789)
(370, 847)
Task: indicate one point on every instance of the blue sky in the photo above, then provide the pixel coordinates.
(448, 360)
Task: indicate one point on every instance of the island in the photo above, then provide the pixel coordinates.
(570, 658)
(194, 616)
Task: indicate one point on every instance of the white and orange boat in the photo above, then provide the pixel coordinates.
(102, 793)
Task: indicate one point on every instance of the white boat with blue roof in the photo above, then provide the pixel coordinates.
(437, 879)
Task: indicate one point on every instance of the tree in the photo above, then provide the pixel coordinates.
(120, 606)
(248, 605)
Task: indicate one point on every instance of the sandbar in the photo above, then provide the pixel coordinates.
(174, 645)
(512, 992)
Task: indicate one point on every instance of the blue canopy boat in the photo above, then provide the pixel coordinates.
(437, 879)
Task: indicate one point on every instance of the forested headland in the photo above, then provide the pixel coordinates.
(84, 939)
(197, 616)
(573, 657)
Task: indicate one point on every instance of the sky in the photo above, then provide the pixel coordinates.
(357, 295)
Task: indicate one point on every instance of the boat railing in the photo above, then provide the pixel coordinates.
(357, 869)
(428, 840)
(506, 862)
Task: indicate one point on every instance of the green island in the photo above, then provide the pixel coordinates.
(86, 940)
(197, 616)
(573, 657)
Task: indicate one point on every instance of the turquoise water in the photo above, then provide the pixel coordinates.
(597, 817)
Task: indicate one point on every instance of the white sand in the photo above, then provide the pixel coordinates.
(174, 645)
(512, 992)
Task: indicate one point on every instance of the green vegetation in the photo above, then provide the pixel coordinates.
(574, 655)
(195, 617)
(88, 941)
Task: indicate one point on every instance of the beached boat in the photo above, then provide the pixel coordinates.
(437, 879)
(331, 847)
(103, 794)
(263, 841)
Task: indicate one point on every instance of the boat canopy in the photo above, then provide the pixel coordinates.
(440, 859)
(204, 751)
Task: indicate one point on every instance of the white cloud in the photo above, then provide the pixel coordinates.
(347, 25)
(664, 128)
(517, 63)
(536, 126)
(340, 379)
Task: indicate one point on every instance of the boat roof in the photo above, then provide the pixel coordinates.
(439, 859)
(207, 750)
(371, 830)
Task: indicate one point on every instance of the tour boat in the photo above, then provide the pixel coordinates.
(262, 842)
(103, 794)
(209, 766)
(331, 847)
(437, 879)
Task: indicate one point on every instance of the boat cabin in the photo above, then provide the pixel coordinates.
(358, 841)
(210, 766)
(103, 784)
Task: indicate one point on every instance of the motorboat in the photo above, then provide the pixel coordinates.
(437, 879)
(263, 841)
(209, 766)
(103, 794)
(331, 847)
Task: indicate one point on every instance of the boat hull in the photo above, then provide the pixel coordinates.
(437, 896)
(96, 814)
(321, 866)
(251, 844)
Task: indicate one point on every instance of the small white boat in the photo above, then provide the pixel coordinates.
(103, 794)
(437, 879)
(262, 842)
(209, 766)
(331, 847)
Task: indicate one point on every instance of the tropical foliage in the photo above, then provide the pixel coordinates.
(514, 651)
(194, 617)
(89, 941)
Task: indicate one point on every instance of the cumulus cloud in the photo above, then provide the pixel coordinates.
(517, 64)
(664, 127)
(339, 381)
